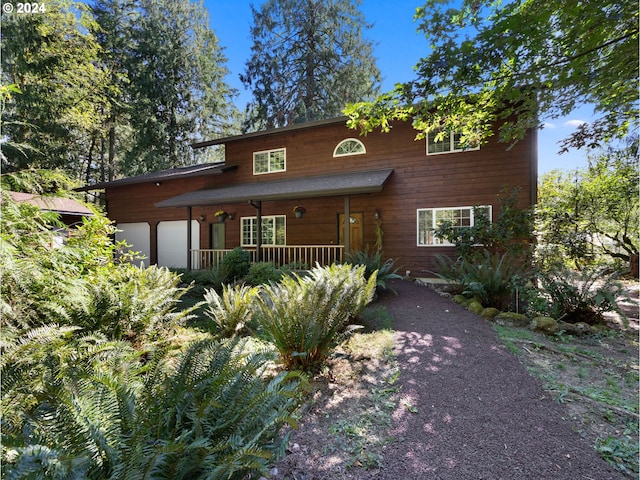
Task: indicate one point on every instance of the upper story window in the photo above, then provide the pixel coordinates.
(350, 146)
(429, 219)
(269, 161)
(448, 144)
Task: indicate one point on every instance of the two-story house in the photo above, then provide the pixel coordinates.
(355, 192)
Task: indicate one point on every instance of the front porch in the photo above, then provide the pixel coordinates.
(279, 255)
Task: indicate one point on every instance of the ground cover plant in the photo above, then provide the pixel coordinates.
(596, 379)
(94, 384)
(305, 317)
(373, 262)
(87, 407)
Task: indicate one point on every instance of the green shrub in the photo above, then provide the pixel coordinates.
(490, 277)
(510, 232)
(235, 265)
(80, 282)
(90, 408)
(582, 296)
(450, 270)
(138, 304)
(206, 278)
(231, 311)
(306, 317)
(373, 263)
(261, 273)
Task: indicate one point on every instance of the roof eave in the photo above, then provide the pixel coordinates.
(217, 197)
(271, 131)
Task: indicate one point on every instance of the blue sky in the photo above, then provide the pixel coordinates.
(398, 48)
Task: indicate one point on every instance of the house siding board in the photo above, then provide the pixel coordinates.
(418, 181)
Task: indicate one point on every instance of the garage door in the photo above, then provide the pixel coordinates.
(172, 242)
(137, 235)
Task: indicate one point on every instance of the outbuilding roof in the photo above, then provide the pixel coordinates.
(294, 188)
(61, 205)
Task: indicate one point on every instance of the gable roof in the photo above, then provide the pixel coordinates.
(293, 188)
(61, 205)
(169, 174)
(271, 131)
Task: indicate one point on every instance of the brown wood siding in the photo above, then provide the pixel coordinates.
(418, 181)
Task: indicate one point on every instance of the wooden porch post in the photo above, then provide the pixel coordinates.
(189, 238)
(347, 225)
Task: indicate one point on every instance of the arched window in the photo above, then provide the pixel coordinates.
(350, 146)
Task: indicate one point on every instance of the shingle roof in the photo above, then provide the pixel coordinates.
(60, 205)
(271, 131)
(319, 186)
(172, 173)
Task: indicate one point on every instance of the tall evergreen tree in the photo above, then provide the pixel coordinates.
(309, 58)
(114, 23)
(52, 118)
(177, 88)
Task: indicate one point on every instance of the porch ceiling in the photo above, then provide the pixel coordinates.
(321, 186)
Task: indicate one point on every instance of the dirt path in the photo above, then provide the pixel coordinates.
(476, 413)
(463, 408)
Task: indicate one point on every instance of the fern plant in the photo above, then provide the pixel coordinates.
(306, 317)
(211, 416)
(582, 296)
(373, 263)
(490, 277)
(232, 310)
(91, 408)
(67, 403)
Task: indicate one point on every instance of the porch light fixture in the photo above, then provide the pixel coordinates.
(158, 184)
(299, 211)
(376, 214)
(203, 217)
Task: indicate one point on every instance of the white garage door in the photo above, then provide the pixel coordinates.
(137, 235)
(172, 242)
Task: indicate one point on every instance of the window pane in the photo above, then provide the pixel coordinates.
(277, 161)
(261, 162)
(349, 147)
(425, 227)
(484, 211)
(463, 217)
(457, 145)
(267, 231)
(248, 231)
(273, 230)
(444, 216)
(280, 231)
(433, 146)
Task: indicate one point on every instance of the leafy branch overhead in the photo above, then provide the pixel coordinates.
(517, 63)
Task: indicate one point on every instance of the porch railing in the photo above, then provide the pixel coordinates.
(302, 256)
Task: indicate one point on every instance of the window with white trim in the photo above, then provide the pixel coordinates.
(274, 230)
(349, 146)
(459, 217)
(450, 143)
(269, 161)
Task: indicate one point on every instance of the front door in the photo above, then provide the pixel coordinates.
(356, 232)
(217, 236)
